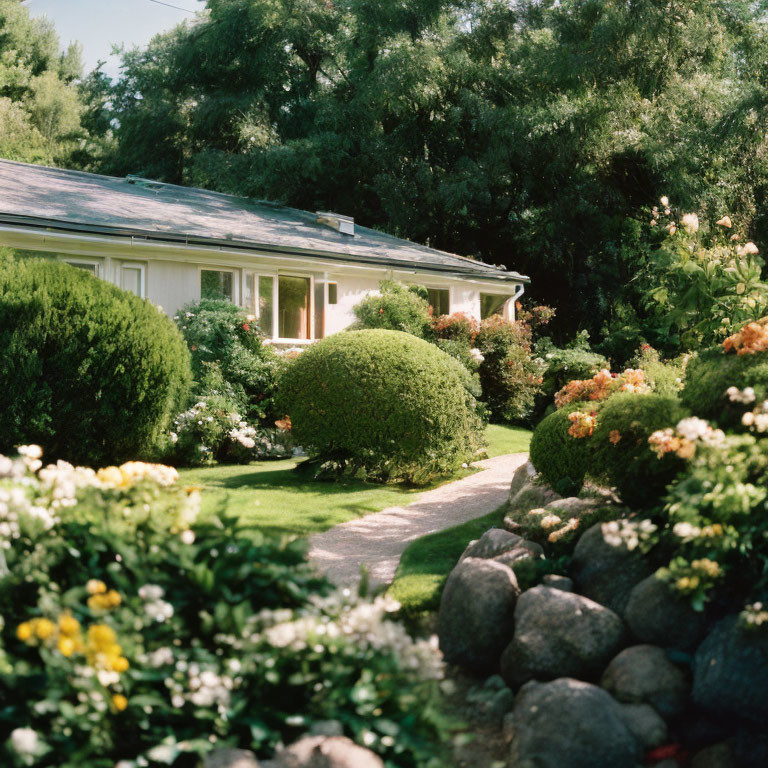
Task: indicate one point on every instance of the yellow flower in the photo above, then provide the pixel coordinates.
(44, 628)
(95, 587)
(110, 476)
(24, 631)
(101, 635)
(68, 625)
(120, 664)
(66, 646)
(119, 702)
(113, 598)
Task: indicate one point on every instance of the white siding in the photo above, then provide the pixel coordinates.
(172, 284)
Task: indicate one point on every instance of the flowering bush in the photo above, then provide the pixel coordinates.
(620, 451)
(663, 377)
(601, 386)
(703, 283)
(739, 365)
(456, 327)
(229, 353)
(510, 377)
(132, 631)
(562, 366)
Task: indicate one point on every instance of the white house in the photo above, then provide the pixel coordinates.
(300, 273)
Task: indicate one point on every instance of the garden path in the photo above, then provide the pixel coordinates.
(378, 540)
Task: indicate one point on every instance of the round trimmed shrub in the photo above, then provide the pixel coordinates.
(90, 372)
(383, 402)
(712, 372)
(396, 308)
(561, 459)
(620, 446)
(564, 365)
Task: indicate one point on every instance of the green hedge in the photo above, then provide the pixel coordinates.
(562, 460)
(620, 450)
(711, 373)
(384, 402)
(396, 308)
(90, 372)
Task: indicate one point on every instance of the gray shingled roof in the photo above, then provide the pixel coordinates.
(35, 196)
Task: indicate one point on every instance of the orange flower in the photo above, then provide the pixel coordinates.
(753, 337)
(614, 436)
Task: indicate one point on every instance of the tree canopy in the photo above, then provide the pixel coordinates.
(529, 133)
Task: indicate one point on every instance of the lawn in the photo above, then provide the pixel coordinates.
(274, 497)
(426, 562)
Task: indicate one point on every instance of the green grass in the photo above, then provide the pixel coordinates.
(426, 563)
(271, 495)
(503, 439)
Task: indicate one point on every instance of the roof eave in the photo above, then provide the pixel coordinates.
(33, 222)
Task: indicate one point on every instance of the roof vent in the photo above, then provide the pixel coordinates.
(145, 183)
(343, 224)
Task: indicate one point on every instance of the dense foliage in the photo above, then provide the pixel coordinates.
(228, 352)
(526, 132)
(395, 308)
(132, 631)
(562, 366)
(560, 458)
(620, 451)
(41, 108)
(383, 402)
(89, 371)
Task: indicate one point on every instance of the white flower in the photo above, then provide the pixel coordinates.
(188, 537)
(665, 201)
(151, 592)
(693, 428)
(476, 355)
(691, 223)
(30, 451)
(25, 741)
(750, 248)
(745, 396)
(686, 530)
(161, 657)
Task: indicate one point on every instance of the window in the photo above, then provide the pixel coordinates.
(293, 320)
(132, 279)
(266, 306)
(439, 300)
(333, 293)
(492, 304)
(88, 266)
(217, 284)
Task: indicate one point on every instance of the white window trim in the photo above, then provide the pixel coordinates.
(89, 262)
(505, 313)
(142, 269)
(448, 288)
(236, 293)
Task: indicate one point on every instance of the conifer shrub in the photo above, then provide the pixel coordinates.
(382, 402)
(620, 449)
(90, 372)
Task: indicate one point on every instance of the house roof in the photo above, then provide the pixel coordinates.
(74, 201)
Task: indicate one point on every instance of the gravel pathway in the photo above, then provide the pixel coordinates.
(377, 540)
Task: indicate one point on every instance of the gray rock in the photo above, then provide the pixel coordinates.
(574, 506)
(605, 572)
(558, 582)
(532, 495)
(327, 752)
(731, 671)
(523, 474)
(570, 724)
(716, 756)
(230, 758)
(559, 634)
(527, 549)
(492, 543)
(489, 705)
(656, 615)
(476, 616)
(643, 674)
(645, 724)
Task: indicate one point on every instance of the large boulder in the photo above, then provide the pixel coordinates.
(230, 758)
(605, 569)
(492, 543)
(643, 674)
(326, 752)
(658, 616)
(476, 615)
(731, 671)
(523, 474)
(570, 724)
(645, 724)
(559, 634)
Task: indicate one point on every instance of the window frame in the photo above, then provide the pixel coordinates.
(89, 262)
(213, 268)
(142, 270)
(275, 277)
(504, 312)
(447, 289)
